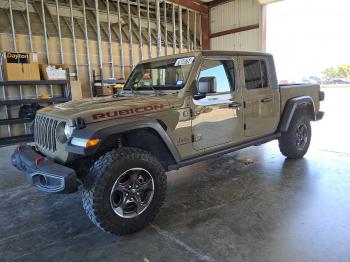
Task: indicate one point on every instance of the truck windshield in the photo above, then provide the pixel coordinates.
(161, 75)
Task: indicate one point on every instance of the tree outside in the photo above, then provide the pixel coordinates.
(342, 71)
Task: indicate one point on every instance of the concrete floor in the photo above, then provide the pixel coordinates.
(252, 205)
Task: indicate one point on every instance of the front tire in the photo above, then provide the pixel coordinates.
(124, 190)
(295, 143)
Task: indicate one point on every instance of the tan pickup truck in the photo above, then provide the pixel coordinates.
(174, 111)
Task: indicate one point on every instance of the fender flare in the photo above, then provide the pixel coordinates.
(291, 107)
(105, 129)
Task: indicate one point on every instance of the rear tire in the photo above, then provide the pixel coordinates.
(295, 143)
(124, 190)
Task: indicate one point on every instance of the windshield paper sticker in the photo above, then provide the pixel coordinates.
(184, 61)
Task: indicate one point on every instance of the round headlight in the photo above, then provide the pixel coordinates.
(68, 130)
(60, 132)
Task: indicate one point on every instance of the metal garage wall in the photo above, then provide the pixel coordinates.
(111, 36)
(237, 14)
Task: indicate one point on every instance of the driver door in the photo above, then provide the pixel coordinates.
(217, 117)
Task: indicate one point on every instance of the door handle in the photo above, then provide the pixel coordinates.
(235, 105)
(266, 100)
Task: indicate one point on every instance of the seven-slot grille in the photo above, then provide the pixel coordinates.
(45, 132)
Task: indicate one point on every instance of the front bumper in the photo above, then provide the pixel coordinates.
(319, 115)
(42, 172)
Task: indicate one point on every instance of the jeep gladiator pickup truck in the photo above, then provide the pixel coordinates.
(173, 111)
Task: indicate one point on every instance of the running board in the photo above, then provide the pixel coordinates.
(255, 142)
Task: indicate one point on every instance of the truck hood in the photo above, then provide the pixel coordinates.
(99, 109)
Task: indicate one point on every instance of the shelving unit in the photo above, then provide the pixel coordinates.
(98, 81)
(66, 96)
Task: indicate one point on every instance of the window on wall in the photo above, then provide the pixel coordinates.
(222, 71)
(256, 75)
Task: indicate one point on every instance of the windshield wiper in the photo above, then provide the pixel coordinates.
(156, 91)
(132, 84)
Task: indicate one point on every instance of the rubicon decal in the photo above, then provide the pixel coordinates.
(129, 111)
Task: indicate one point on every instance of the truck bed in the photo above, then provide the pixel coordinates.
(289, 91)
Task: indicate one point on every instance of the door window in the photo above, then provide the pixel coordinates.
(221, 72)
(255, 72)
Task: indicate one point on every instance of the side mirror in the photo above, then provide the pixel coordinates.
(207, 85)
(199, 96)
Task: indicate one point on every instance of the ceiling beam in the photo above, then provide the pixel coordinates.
(217, 2)
(194, 5)
(266, 2)
(205, 31)
(235, 30)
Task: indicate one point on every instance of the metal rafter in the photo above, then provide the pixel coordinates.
(110, 39)
(80, 25)
(59, 32)
(90, 18)
(149, 32)
(38, 13)
(124, 30)
(46, 40)
(200, 31)
(188, 31)
(121, 42)
(12, 26)
(65, 20)
(134, 25)
(115, 32)
(130, 39)
(140, 29)
(50, 16)
(174, 28)
(10, 14)
(180, 29)
(195, 31)
(87, 49)
(159, 47)
(99, 44)
(74, 40)
(165, 30)
(29, 27)
(30, 37)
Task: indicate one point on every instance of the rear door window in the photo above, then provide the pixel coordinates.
(256, 75)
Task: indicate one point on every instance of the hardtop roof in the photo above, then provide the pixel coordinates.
(208, 53)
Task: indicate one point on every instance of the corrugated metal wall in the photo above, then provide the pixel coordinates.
(236, 14)
(142, 27)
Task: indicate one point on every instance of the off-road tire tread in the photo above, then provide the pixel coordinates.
(94, 185)
(287, 140)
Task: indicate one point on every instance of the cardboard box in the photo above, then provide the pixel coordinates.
(104, 90)
(20, 66)
(76, 90)
(53, 72)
